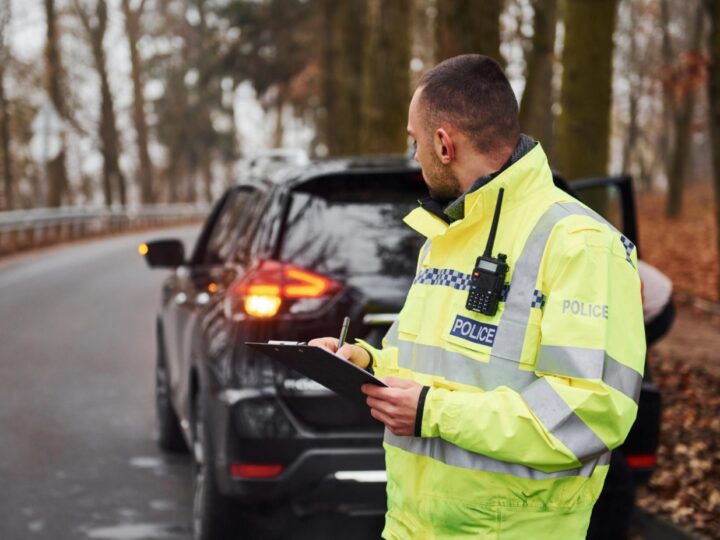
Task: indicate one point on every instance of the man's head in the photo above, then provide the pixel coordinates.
(463, 118)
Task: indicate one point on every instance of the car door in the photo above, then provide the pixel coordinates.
(214, 331)
(196, 284)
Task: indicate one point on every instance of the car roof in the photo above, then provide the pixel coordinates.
(293, 175)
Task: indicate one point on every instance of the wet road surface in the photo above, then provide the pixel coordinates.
(77, 452)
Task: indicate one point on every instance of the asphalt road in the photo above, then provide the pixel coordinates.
(77, 452)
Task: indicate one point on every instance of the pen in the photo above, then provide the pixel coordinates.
(344, 332)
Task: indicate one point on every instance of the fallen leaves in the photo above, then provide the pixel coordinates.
(685, 249)
(686, 486)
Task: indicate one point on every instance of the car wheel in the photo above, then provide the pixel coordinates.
(212, 517)
(170, 437)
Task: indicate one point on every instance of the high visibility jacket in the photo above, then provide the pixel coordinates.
(523, 406)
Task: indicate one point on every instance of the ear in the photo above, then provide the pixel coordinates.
(444, 146)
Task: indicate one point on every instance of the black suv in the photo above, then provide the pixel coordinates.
(286, 255)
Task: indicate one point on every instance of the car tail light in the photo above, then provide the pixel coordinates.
(266, 288)
(255, 470)
(642, 461)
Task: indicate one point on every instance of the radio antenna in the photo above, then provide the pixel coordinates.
(494, 226)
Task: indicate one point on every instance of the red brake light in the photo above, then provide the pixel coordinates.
(250, 470)
(306, 284)
(642, 461)
(264, 288)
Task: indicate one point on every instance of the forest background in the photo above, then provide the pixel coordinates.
(123, 103)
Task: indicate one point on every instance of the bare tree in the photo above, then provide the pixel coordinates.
(634, 90)
(344, 25)
(583, 127)
(133, 29)
(56, 172)
(536, 116)
(8, 178)
(714, 110)
(95, 26)
(468, 26)
(681, 85)
(386, 77)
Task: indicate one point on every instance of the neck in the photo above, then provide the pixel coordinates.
(479, 165)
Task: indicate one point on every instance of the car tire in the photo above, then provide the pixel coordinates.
(170, 437)
(213, 517)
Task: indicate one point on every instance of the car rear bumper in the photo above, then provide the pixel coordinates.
(341, 479)
(341, 471)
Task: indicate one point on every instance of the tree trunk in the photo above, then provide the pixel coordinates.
(279, 133)
(8, 178)
(7, 169)
(133, 31)
(668, 61)
(342, 71)
(714, 115)
(206, 173)
(583, 127)
(113, 178)
(682, 145)
(632, 128)
(468, 26)
(386, 78)
(536, 118)
(632, 133)
(56, 172)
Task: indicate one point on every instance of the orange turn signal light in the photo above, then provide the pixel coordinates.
(262, 306)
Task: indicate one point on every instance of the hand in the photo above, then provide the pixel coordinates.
(356, 354)
(396, 407)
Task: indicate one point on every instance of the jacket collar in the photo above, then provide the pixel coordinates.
(456, 209)
(522, 180)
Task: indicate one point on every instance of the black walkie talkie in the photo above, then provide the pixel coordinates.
(488, 277)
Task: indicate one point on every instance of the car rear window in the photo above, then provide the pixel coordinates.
(352, 225)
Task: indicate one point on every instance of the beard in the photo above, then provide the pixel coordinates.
(442, 183)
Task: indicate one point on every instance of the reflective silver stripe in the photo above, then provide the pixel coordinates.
(424, 254)
(451, 454)
(579, 209)
(560, 420)
(457, 367)
(391, 337)
(587, 363)
(622, 378)
(571, 361)
(514, 319)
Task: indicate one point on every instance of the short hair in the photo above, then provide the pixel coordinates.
(472, 93)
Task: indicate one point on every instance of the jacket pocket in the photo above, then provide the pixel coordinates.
(411, 315)
(470, 333)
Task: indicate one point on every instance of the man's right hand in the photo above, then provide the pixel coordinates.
(356, 354)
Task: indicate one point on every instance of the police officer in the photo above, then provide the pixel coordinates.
(501, 425)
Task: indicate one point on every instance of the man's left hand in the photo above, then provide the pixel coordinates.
(396, 406)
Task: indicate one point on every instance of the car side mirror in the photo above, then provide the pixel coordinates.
(163, 253)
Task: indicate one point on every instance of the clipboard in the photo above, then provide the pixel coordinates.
(332, 371)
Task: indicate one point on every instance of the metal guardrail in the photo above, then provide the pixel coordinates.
(27, 229)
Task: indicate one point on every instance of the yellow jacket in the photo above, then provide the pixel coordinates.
(524, 406)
